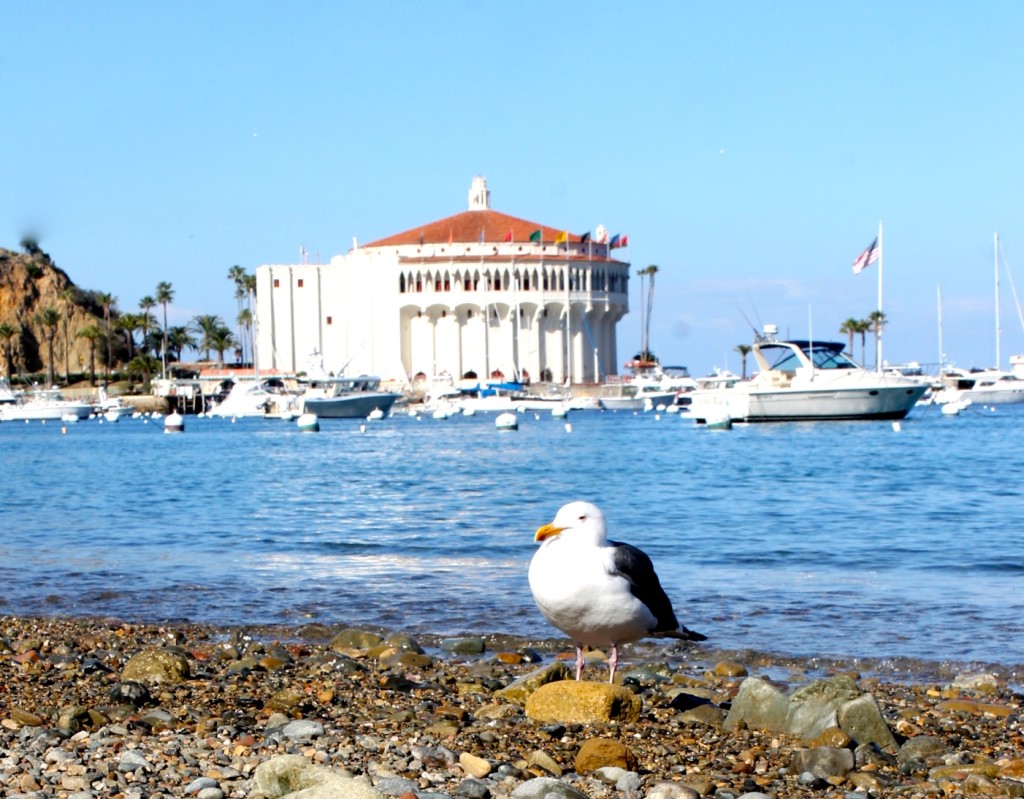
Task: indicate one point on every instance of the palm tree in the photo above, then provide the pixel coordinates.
(744, 350)
(249, 284)
(164, 295)
(221, 340)
(108, 301)
(67, 296)
(178, 338)
(651, 270)
(245, 328)
(849, 327)
(877, 321)
(207, 325)
(236, 274)
(92, 334)
(143, 365)
(7, 332)
(49, 318)
(146, 304)
(127, 323)
(863, 326)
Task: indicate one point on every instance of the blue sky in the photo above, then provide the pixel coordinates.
(749, 150)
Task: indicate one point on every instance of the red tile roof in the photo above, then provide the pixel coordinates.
(467, 227)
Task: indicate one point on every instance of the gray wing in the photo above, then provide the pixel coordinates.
(634, 565)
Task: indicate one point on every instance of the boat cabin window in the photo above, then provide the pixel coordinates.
(821, 357)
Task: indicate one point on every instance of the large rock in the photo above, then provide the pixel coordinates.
(294, 777)
(582, 702)
(157, 666)
(810, 710)
(544, 787)
(598, 753)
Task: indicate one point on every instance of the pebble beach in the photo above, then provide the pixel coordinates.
(105, 708)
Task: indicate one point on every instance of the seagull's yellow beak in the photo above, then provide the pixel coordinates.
(547, 531)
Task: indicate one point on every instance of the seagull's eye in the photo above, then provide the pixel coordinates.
(583, 518)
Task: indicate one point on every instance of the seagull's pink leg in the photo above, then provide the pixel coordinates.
(579, 662)
(613, 662)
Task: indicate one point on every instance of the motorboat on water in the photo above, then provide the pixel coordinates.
(346, 397)
(251, 398)
(45, 405)
(985, 387)
(111, 408)
(804, 380)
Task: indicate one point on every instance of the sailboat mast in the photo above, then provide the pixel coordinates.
(999, 331)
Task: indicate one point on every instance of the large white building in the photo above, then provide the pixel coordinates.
(479, 292)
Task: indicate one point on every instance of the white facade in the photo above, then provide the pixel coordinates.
(425, 303)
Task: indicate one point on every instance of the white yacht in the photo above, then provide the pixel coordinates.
(44, 404)
(249, 397)
(987, 387)
(803, 380)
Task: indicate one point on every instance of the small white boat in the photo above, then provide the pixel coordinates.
(111, 408)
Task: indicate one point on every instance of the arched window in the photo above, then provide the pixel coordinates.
(401, 283)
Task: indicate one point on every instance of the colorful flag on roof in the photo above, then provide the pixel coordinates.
(618, 240)
(562, 237)
(868, 257)
(508, 236)
(585, 237)
(535, 236)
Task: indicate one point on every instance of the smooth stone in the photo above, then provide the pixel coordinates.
(362, 640)
(465, 645)
(542, 787)
(473, 788)
(396, 786)
(302, 730)
(198, 784)
(823, 761)
(475, 766)
(599, 753)
(672, 790)
(132, 760)
(292, 776)
(156, 666)
(520, 690)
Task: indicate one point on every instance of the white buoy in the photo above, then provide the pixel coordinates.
(174, 423)
(362, 427)
(951, 409)
(308, 423)
(568, 427)
(376, 414)
(469, 410)
(896, 426)
(111, 416)
(559, 412)
(507, 421)
(672, 409)
(440, 413)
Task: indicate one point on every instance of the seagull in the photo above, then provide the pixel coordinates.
(598, 592)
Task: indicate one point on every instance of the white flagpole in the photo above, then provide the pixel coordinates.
(881, 257)
(999, 331)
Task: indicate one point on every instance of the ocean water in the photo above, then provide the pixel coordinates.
(813, 540)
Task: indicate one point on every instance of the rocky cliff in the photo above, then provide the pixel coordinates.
(30, 283)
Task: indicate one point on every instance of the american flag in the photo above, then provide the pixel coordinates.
(868, 257)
